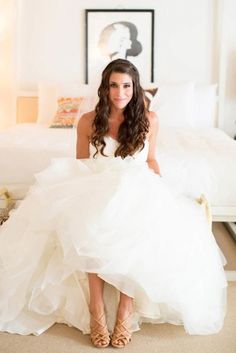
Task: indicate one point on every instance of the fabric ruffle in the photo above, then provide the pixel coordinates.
(116, 218)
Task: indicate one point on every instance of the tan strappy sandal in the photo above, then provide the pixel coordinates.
(99, 334)
(122, 334)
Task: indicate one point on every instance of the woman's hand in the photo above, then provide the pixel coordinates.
(153, 164)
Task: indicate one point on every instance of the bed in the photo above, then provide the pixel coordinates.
(195, 158)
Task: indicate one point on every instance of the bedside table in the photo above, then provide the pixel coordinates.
(6, 204)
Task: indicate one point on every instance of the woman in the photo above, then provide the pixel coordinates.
(100, 219)
(121, 107)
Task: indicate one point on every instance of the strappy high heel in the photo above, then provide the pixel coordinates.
(99, 334)
(122, 334)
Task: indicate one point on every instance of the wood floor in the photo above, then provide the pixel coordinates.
(226, 243)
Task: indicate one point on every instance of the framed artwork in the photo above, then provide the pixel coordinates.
(113, 34)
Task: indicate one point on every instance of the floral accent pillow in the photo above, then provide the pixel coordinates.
(67, 112)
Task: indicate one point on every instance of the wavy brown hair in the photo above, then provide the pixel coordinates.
(133, 130)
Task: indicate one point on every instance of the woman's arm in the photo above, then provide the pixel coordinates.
(154, 127)
(84, 129)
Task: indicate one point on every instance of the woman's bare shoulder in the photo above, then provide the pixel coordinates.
(85, 123)
(152, 117)
(87, 118)
(153, 121)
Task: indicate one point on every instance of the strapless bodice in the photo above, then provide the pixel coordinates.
(111, 146)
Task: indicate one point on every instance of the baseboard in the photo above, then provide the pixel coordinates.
(231, 227)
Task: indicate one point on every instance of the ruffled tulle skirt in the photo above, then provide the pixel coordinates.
(118, 219)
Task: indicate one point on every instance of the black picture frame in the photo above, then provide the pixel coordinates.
(113, 33)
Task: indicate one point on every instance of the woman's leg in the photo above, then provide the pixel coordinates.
(99, 332)
(125, 306)
(96, 285)
(122, 333)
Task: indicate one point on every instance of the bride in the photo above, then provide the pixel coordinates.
(109, 218)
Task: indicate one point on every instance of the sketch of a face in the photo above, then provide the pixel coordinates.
(119, 40)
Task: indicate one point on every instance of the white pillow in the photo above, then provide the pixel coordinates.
(173, 104)
(47, 103)
(89, 103)
(50, 92)
(88, 92)
(205, 106)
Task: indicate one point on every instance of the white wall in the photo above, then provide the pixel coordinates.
(51, 39)
(228, 66)
(7, 62)
(188, 43)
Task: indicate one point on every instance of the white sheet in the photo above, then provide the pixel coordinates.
(192, 161)
(28, 148)
(196, 161)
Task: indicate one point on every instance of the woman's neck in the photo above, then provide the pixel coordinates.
(117, 115)
(116, 118)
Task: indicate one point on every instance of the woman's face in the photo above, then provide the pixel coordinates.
(120, 90)
(119, 41)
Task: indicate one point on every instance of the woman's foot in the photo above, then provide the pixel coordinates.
(99, 333)
(122, 332)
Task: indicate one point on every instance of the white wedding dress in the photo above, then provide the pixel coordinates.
(119, 219)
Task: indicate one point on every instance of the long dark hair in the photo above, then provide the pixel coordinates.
(133, 130)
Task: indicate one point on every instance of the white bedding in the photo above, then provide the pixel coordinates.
(28, 148)
(198, 161)
(192, 161)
